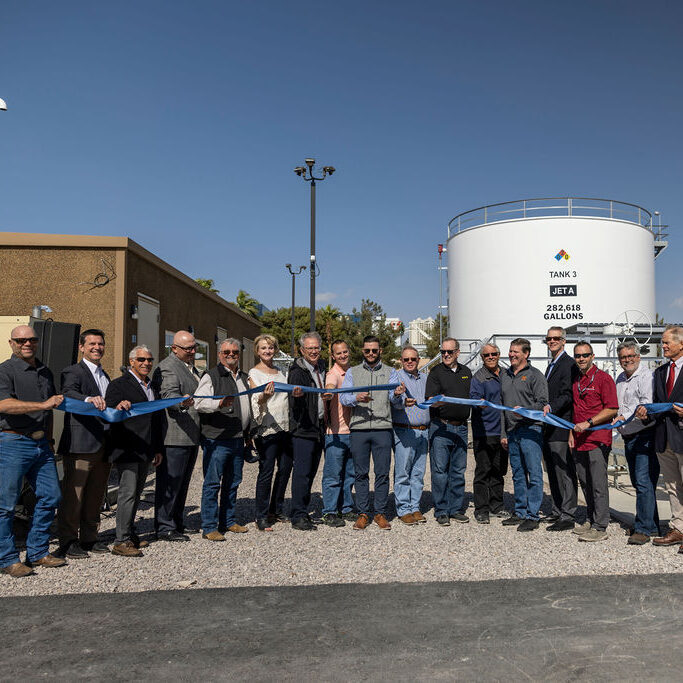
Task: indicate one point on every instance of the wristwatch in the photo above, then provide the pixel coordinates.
(590, 421)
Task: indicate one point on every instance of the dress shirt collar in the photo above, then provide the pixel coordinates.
(95, 369)
(373, 368)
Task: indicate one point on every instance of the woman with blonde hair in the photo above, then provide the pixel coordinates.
(271, 434)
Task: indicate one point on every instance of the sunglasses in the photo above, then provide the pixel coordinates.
(186, 348)
(370, 350)
(412, 359)
(549, 339)
(143, 359)
(230, 353)
(582, 355)
(447, 352)
(490, 355)
(631, 357)
(23, 340)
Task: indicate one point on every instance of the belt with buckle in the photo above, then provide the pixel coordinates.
(407, 426)
(454, 423)
(36, 436)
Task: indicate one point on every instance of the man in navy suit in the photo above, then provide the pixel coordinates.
(133, 444)
(668, 388)
(86, 469)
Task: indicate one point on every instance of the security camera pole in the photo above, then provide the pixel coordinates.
(306, 172)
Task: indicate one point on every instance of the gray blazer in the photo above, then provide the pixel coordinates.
(174, 379)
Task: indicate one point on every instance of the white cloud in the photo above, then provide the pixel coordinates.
(677, 303)
(325, 297)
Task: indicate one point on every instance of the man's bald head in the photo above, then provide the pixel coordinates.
(24, 341)
(184, 346)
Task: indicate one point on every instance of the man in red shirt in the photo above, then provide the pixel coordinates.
(595, 403)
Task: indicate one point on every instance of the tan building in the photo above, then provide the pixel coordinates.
(114, 284)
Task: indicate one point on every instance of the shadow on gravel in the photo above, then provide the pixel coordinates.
(577, 628)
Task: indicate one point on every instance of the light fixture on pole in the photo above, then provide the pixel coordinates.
(306, 172)
(3, 105)
(293, 274)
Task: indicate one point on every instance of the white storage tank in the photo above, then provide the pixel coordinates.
(519, 267)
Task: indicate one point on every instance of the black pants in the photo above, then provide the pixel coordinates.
(306, 454)
(379, 443)
(491, 465)
(273, 449)
(172, 482)
(559, 465)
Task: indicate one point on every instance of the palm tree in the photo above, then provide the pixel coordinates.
(247, 303)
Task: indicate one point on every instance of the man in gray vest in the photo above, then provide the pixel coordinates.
(225, 428)
(176, 376)
(371, 432)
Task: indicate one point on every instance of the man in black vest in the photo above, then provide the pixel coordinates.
(559, 463)
(82, 446)
(225, 429)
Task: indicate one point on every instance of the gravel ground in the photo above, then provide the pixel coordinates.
(426, 552)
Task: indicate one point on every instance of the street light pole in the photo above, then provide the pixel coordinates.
(293, 274)
(306, 172)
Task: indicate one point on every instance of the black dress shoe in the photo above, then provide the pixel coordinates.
(528, 525)
(561, 525)
(550, 519)
(96, 547)
(172, 536)
(513, 520)
(443, 520)
(303, 524)
(75, 552)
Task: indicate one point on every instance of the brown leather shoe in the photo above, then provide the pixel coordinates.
(17, 570)
(214, 536)
(637, 538)
(237, 529)
(674, 537)
(419, 517)
(362, 522)
(382, 523)
(408, 519)
(126, 549)
(680, 550)
(47, 561)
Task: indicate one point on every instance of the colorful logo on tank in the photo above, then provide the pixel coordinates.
(562, 254)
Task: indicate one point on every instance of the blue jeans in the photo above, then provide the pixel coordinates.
(525, 446)
(222, 464)
(643, 468)
(23, 457)
(410, 462)
(363, 443)
(338, 474)
(448, 461)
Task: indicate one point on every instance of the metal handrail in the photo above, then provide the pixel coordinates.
(569, 207)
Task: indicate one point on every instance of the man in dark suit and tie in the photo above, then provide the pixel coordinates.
(559, 463)
(86, 469)
(668, 388)
(133, 443)
(176, 376)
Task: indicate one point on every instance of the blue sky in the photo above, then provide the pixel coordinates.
(179, 123)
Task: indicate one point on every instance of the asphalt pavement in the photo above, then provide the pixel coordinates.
(563, 629)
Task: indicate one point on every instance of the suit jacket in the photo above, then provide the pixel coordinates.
(560, 395)
(82, 433)
(668, 431)
(174, 379)
(137, 438)
(303, 411)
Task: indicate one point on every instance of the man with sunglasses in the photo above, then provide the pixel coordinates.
(489, 454)
(448, 435)
(225, 433)
(411, 442)
(27, 397)
(133, 444)
(371, 433)
(177, 376)
(595, 403)
(560, 374)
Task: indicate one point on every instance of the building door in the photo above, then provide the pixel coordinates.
(148, 324)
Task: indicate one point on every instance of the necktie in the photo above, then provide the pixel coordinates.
(549, 369)
(670, 379)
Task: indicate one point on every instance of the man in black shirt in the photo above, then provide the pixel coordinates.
(448, 435)
(27, 396)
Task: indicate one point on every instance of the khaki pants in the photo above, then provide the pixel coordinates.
(85, 483)
(671, 466)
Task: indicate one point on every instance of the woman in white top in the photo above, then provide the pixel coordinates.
(271, 432)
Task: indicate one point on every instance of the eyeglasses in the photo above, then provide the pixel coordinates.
(230, 353)
(311, 348)
(549, 339)
(582, 355)
(490, 355)
(144, 359)
(186, 348)
(631, 357)
(25, 340)
(447, 352)
(412, 359)
(371, 351)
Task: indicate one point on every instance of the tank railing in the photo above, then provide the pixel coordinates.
(560, 206)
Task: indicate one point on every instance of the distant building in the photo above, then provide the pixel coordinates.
(419, 331)
(396, 324)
